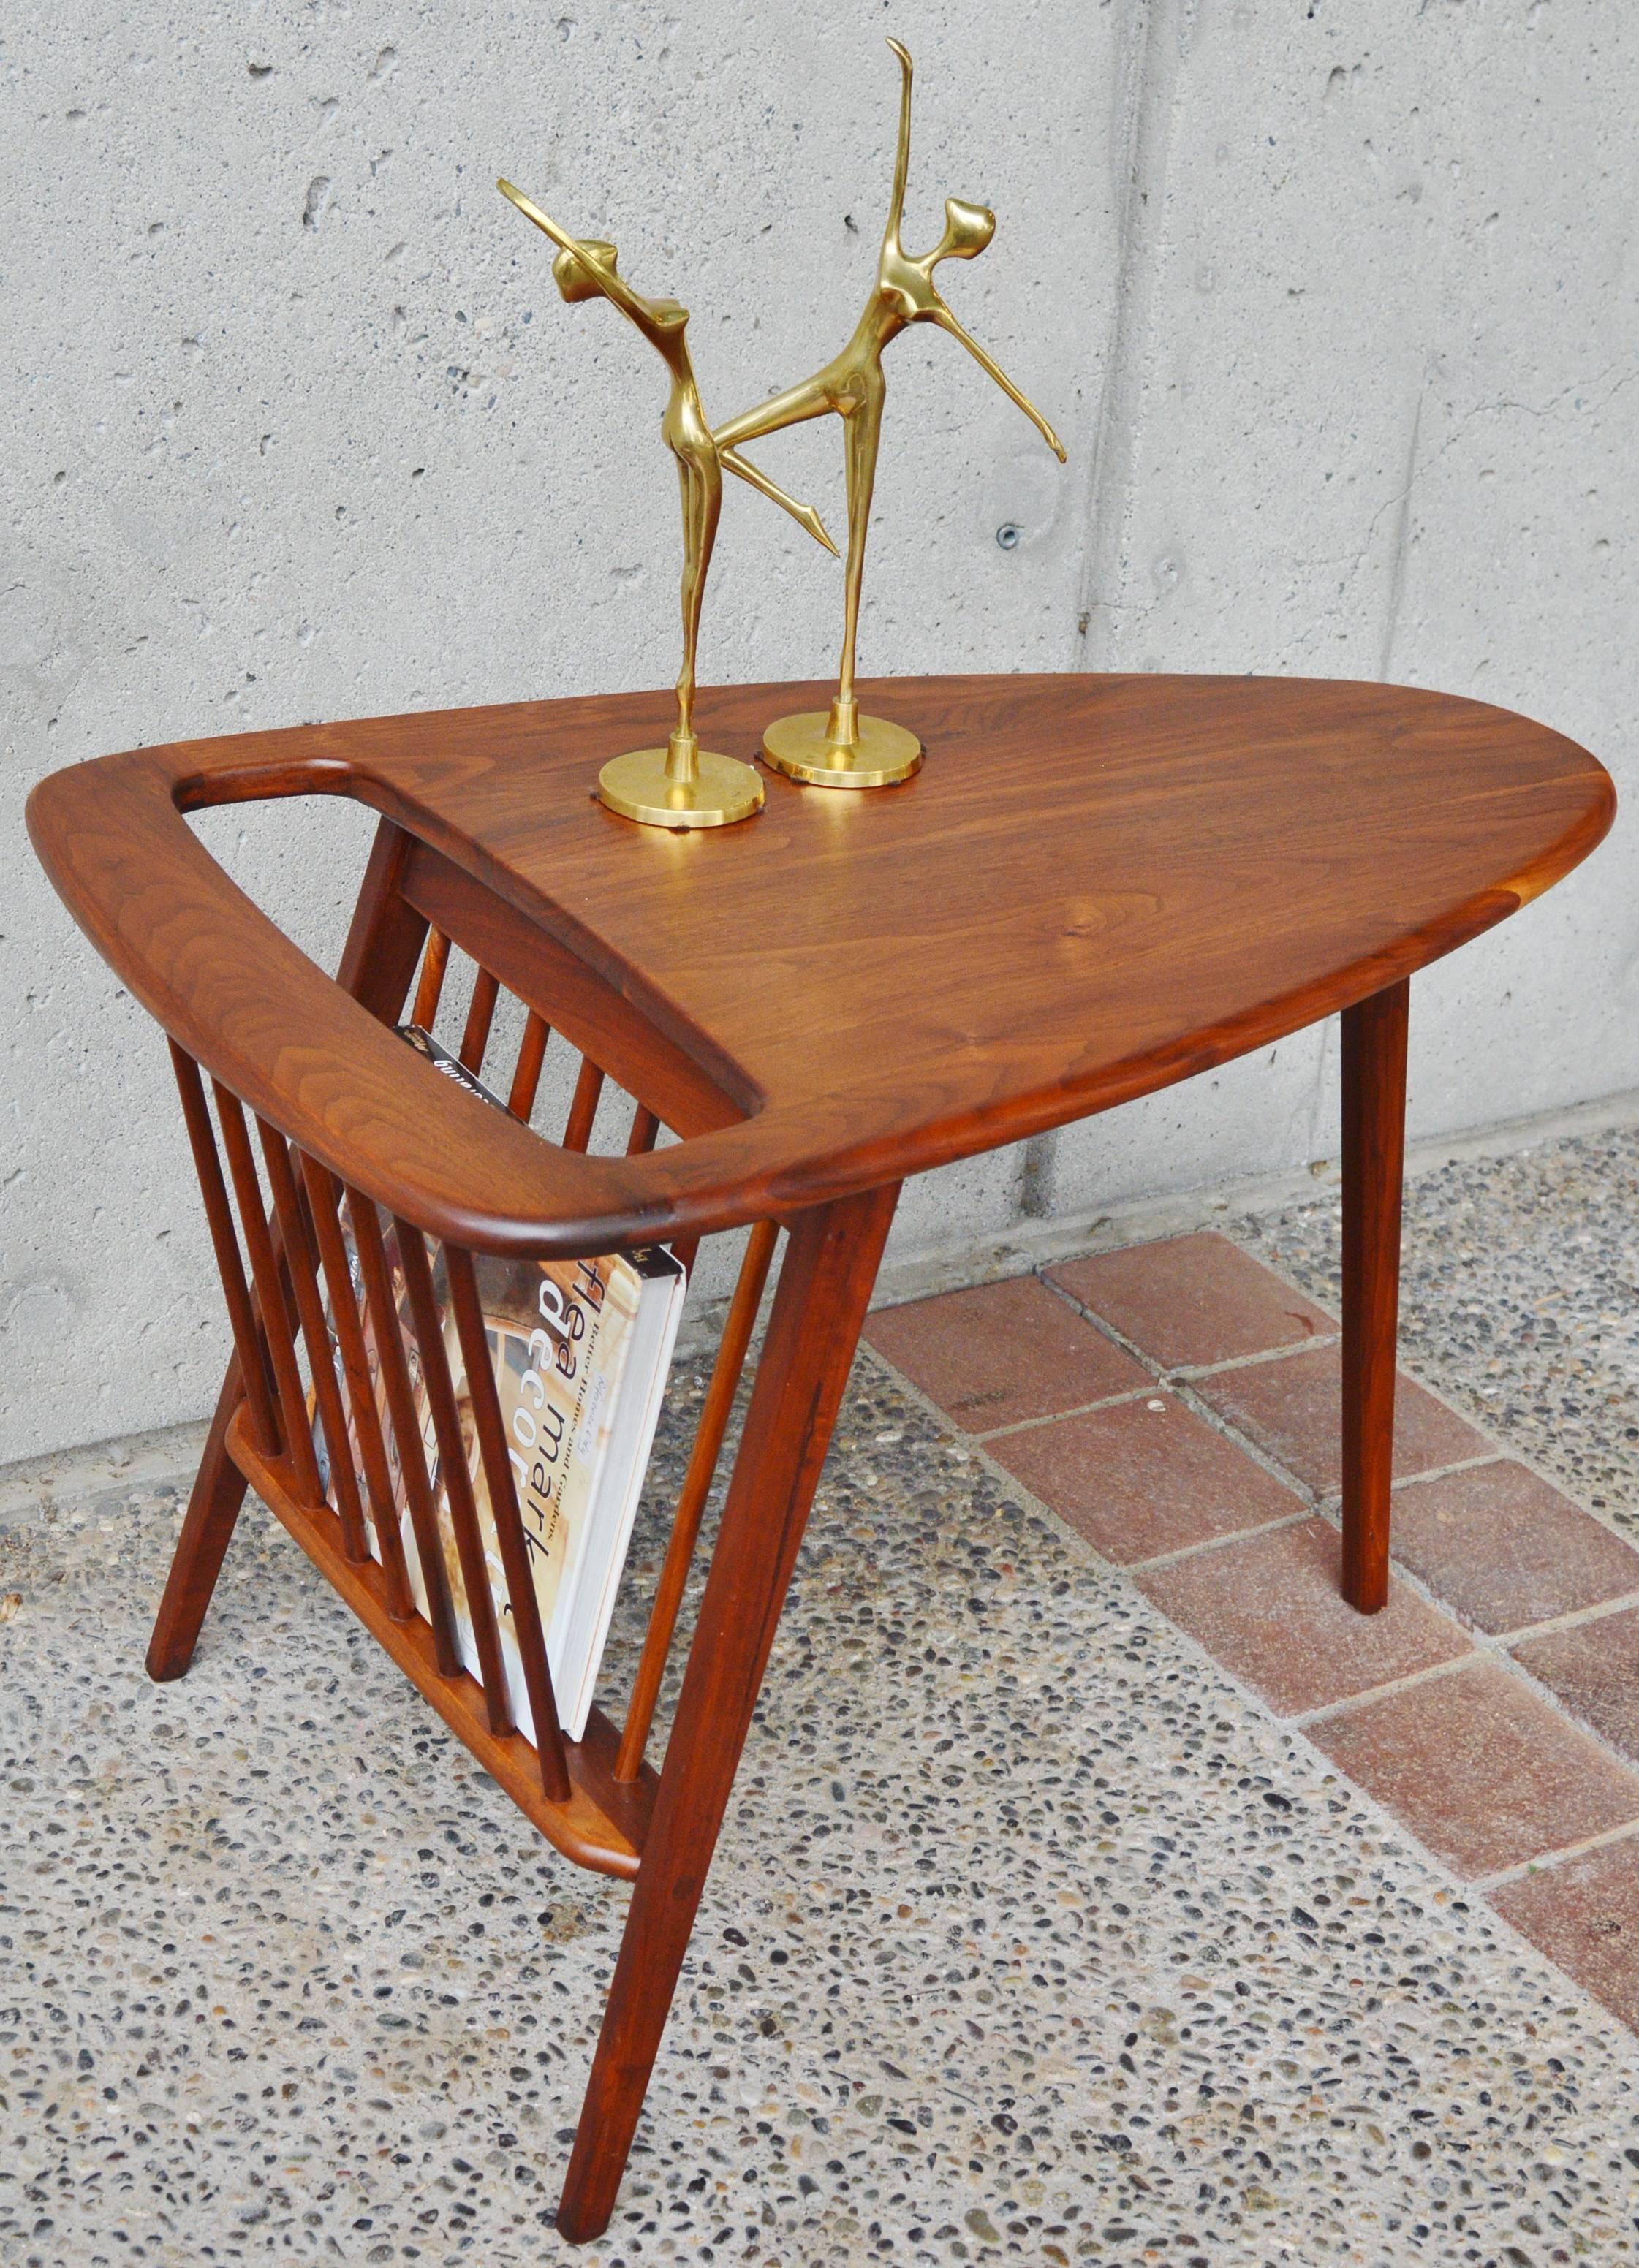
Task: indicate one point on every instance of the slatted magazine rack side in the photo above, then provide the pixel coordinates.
(312, 1333)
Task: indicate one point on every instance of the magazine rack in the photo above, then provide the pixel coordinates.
(1097, 887)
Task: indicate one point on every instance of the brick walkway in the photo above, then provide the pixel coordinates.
(1176, 1404)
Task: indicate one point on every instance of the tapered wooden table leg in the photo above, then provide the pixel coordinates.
(831, 1266)
(1374, 1149)
(214, 1508)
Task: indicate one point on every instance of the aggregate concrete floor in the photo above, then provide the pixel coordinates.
(1030, 1935)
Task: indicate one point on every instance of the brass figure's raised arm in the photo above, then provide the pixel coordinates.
(845, 749)
(681, 785)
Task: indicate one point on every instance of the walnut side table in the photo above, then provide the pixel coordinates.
(1096, 887)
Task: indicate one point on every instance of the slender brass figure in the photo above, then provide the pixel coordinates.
(682, 785)
(845, 749)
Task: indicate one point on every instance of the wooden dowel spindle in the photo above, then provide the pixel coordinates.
(454, 1475)
(644, 1127)
(583, 1108)
(276, 1317)
(401, 1404)
(481, 1015)
(247, 1342)
(509, 1534)
(322, 1197)
(527, 1075)
(434, 962)
(301, 1260)
(696, 1485)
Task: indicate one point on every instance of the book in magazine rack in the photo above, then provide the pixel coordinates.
(1096, 887)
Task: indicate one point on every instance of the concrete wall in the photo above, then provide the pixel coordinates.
(1332, 300)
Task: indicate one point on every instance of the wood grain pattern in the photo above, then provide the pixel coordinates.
(475, 1037)
(526, 1071)
(1094, 886)
(387, 933)
(583, 1105)
(691, 1094)
(429, 986)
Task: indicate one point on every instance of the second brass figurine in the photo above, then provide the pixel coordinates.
(842, 748)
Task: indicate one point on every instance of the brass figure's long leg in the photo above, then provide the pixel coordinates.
(701, 497)
(804, 514)
(862, 433)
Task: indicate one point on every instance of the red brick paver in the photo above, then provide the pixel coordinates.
(1002, 1352)
(1480, 1768)
(1269, 1609)
(1193, 1300)
(1584, 1915)
(1449, 1736)
(1144, 1478)
(1505, 1550)
(1594, 1669)
(1291, 1408)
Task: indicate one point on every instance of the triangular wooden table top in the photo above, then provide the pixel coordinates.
(1096, 886)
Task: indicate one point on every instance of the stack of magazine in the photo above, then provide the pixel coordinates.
(580, 1348)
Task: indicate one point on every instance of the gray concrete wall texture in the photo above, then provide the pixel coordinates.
(1334, 301)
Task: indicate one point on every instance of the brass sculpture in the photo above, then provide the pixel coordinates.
(843, 748)
(681, 785)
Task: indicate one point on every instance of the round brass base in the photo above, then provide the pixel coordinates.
(636, 786)
(882, 756)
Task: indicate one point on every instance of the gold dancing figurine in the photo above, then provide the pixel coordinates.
(843, 748)
(681, 785)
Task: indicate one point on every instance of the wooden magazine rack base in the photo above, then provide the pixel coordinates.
(595, 1799)
(1097, 887)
